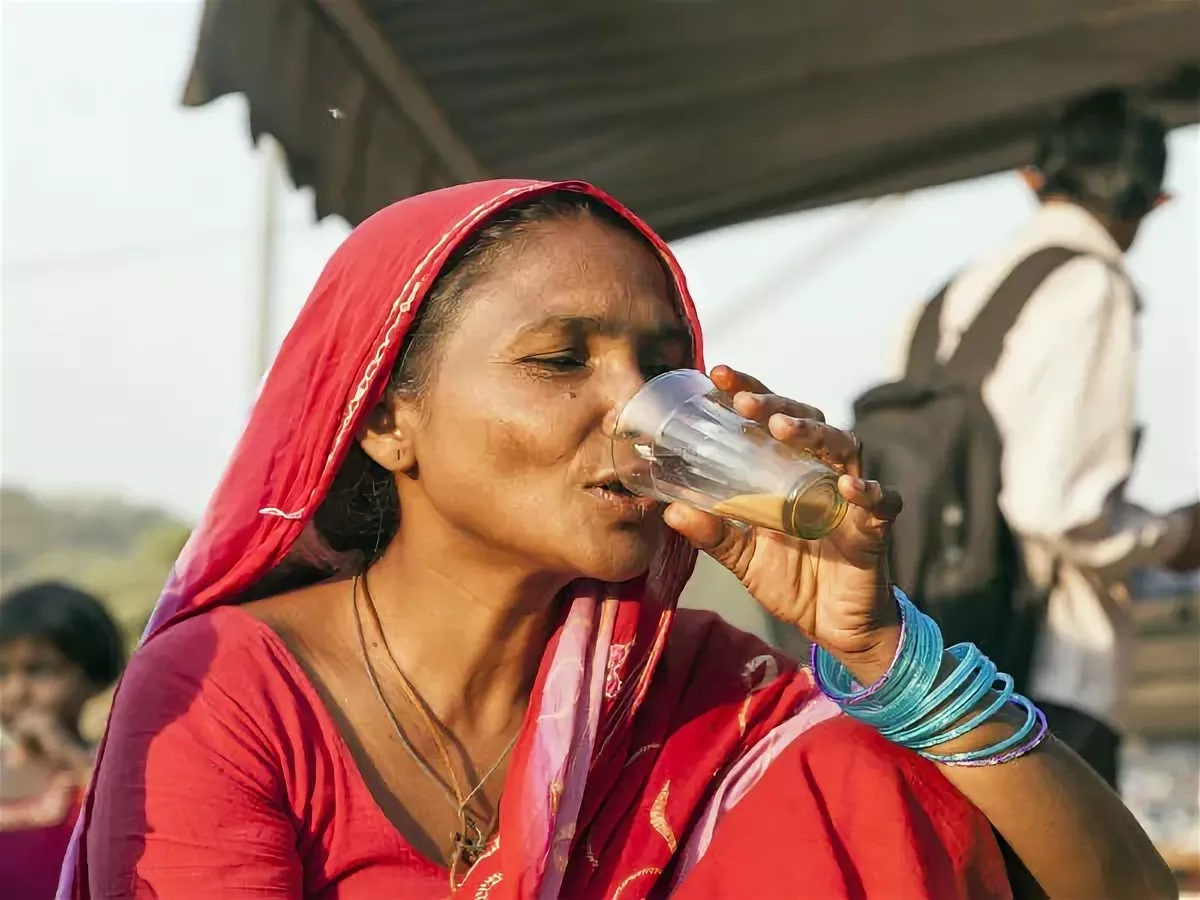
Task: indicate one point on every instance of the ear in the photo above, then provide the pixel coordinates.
(387, 437)
(1033, 179)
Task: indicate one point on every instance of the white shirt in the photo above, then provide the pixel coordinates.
(1061, 396)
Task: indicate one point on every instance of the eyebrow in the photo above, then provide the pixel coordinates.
(590, 325)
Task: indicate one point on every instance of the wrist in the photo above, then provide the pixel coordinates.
(952, 707)
(869, 662)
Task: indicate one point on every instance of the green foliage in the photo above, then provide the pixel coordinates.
(122, 553)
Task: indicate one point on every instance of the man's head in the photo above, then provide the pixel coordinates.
(1107, 154)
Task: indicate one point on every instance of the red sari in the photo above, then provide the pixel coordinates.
(662, 754)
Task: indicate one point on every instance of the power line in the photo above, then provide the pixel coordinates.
(122, 255)
(767, 291)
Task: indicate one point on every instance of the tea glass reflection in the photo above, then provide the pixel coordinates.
(679, 439)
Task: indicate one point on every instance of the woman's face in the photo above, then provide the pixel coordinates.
(36, 679)
(512, 446)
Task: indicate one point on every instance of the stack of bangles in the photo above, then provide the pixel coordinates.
(910, 707)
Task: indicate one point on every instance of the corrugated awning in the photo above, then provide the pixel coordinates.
(696, 113)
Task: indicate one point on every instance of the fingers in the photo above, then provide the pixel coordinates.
(723, 540)
(832, 446)
(731, 381)
(882, 503)
(890, 505)
(754, 400)
(761, 407)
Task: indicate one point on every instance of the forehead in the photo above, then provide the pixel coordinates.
(579, 269)
(29, 648)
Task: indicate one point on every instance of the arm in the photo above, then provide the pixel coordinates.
(1188, 558)
(187, 803)
(1070, 830)
(1062, 397)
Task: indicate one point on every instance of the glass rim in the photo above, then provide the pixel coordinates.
(703, 384)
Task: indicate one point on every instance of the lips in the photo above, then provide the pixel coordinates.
(611, 486)
(616, 496)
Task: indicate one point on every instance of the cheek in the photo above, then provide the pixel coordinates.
(540, 437)
(51, 694)
(516, 443)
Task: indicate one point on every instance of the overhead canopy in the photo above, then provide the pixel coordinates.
(696, 113)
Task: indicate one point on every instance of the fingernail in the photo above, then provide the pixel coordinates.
(858, 484)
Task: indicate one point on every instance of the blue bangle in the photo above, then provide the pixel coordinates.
(870, 690)
(1043, 731)
(942, 712)
(968, 657)
(998, 749)
(891, 703)
(911, 708)
(1002, 698)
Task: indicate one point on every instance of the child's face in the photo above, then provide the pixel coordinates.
(35, 678)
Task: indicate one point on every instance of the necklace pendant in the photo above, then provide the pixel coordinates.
(469, 843)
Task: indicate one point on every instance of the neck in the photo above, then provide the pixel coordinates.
(467, 629)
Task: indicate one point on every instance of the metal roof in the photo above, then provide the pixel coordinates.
(696, 113)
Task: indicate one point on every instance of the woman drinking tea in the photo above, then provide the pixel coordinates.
(424, 642)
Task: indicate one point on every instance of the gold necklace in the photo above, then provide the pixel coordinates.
(471, 838)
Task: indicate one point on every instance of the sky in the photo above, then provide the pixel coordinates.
(128, 228)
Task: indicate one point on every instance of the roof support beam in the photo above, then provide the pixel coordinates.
(404, 87)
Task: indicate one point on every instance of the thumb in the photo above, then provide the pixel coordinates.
(725, 541)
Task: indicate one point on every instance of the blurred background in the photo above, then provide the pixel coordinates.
(154, 256)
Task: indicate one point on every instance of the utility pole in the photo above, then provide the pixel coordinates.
(270, 158)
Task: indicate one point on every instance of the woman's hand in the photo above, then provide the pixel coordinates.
(835, 590)
(38, 735)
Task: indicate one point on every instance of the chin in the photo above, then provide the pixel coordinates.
(619, 557)
(617, 574)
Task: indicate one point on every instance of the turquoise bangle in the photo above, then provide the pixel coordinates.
(890, 704)
(984, 715)
(910, 708)
(998, 749)
(968, 657)
(943, 715)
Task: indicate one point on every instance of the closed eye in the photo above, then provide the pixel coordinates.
(561, 362)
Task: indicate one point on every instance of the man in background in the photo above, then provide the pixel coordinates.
(1061, 395)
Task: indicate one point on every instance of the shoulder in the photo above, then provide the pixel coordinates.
(1084, 285)
(222, 664)
(225, 641)
(1079, 311)
(843, 743)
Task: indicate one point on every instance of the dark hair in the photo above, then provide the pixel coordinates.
(73, 621)
(361, 513)
(1107, 153)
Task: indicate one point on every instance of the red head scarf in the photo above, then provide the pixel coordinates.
(613, 786)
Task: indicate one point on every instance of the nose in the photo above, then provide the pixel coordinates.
(622, 386)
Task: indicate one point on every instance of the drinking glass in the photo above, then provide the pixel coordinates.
(679, 439)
